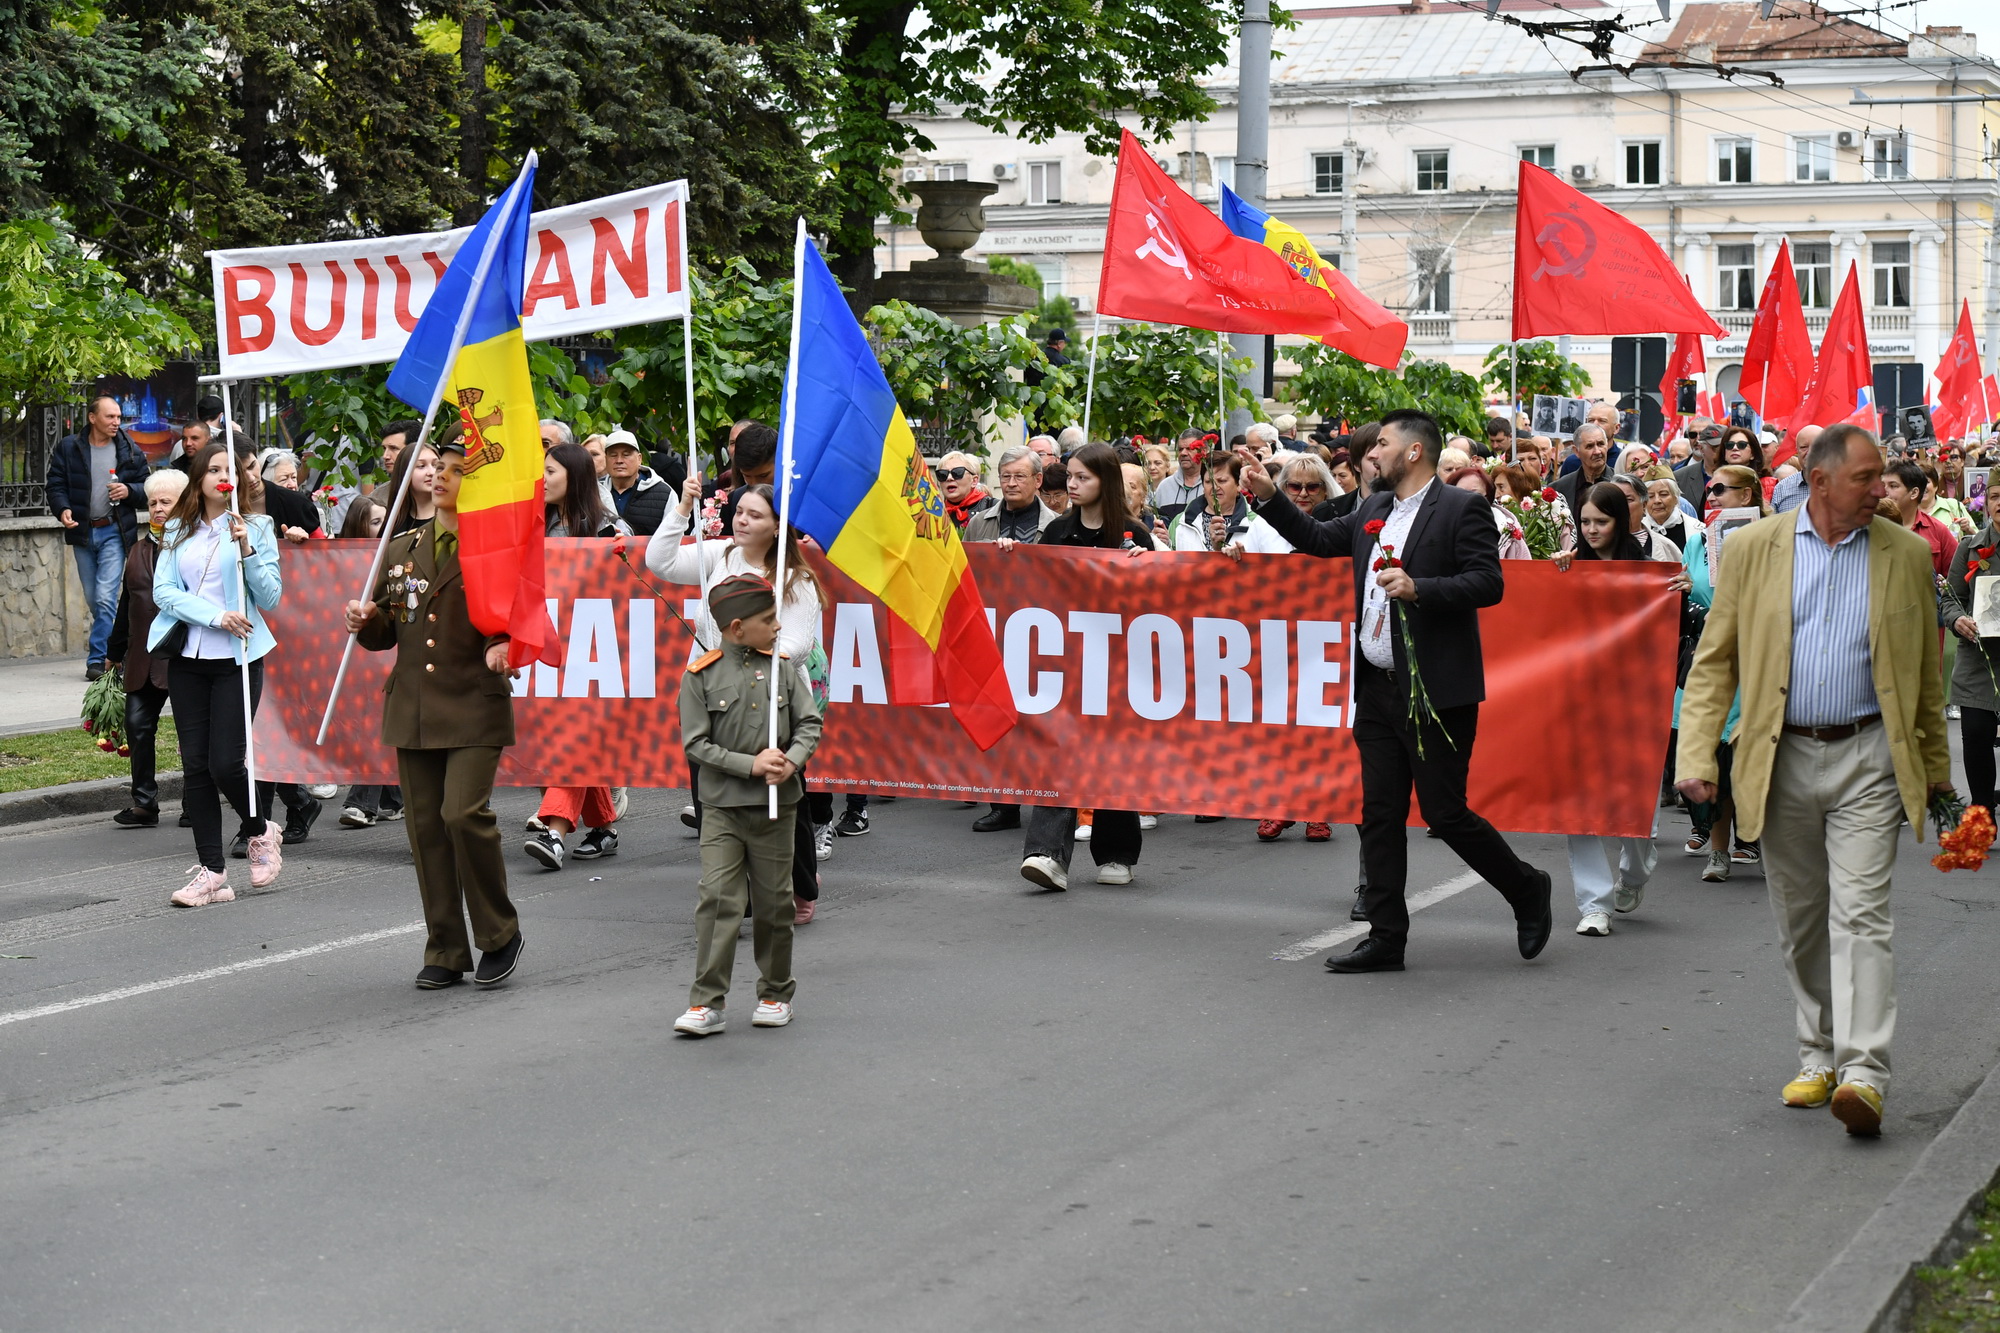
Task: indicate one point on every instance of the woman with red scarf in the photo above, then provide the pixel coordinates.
(958, 478)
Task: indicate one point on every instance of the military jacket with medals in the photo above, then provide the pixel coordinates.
(440, 694)
(726, 722)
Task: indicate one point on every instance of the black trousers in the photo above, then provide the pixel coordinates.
(1977, 729)
(142, 729)
(208, 715)
(1390, 767)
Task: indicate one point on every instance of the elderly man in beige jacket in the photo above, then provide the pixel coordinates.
(1828, 624)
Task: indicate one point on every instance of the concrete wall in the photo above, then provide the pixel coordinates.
(42, 611)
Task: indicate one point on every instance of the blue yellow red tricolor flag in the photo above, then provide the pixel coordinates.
(1368, 332)
(861, 489)
(469, 338)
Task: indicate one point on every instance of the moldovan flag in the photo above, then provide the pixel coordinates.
(1581, 268)
(861, 489)
(1778, 355)
(1843, 383)
(1169, 260)
(1368, 332)
(467, 345)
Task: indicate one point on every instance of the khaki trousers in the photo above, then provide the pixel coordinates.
(1830, 830)
(746, 858)
(455, 839)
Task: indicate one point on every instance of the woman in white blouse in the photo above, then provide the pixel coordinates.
(206, 629)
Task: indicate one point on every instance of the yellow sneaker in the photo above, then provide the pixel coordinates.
(1859, 1107)
(1813, 1087)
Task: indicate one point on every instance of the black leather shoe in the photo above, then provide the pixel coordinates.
(137, 816)
(1358, 912)
(298, 825)
(499, 964)
(996, 820)
(1534, 930)
(187, 820)
(1368, 956)
(437, 978)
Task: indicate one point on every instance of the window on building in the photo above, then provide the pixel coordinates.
(1045, 182)
(1812, 261)
(1892, 274)
(1225, 172)
(1541, 154)
(1812, 157)
(1434, 169)
(1735, 161)
(1888, 157)
(1736, 266)
(1329, 172)
(1642, 163)
(1432, 278)
(1052, 272)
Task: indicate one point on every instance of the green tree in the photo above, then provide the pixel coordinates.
(1336, 385)
(1028, 68)
(1538, 368)
(942, 371)
(65, 317)
(1050, 312)
(1157, 380)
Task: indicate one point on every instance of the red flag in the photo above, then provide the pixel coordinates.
(1169, 260)
(1581, 268)
(1992, 395)
(1778, 356)
(1685, 363)
(1371, 332)
(1960, 397)
(1843, 383)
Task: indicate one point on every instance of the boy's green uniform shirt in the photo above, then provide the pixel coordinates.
(726, 723)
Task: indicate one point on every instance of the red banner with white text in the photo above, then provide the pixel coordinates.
(1176, 683)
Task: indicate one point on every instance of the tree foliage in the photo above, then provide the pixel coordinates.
(65, 317)
(1538, 368)
(1337, 386)
(1157, 380)
(942, 371)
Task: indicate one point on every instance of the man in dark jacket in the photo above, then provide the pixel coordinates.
(145, 674)
(640, 495)
(93, 487)
(1447, 567)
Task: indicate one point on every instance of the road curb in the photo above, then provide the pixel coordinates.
(1927, 1219)
(102, 796)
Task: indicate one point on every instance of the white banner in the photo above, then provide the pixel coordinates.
(591, 266)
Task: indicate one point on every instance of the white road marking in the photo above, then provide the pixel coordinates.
(1326, 939)
(209, 974)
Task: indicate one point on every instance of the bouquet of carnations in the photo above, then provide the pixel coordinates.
(1538, 521)
(1965, 833)
(104, 711)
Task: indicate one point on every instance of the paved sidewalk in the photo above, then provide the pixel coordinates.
(40, 693)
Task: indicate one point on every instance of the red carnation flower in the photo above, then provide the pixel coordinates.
(88, 725)
(1373, 526)
(124, 751)
(618, 547)
(1548, 493)
(225, 487)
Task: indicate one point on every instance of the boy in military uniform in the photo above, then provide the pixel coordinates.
(745, 854)
(449, 711)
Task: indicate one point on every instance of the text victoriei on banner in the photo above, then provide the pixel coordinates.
(487, 386)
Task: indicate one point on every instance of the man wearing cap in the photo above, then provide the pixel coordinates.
(449, 711)
(726, 708)
(1693, 475)
(639, 494)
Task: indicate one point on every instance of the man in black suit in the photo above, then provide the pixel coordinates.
(1448, 567)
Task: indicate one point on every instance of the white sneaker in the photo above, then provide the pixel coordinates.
(1147, 823)
(534, 825)
(621, 801)
(700, 1021)
(1594, 923)
(1113, 873)
(1083, 833)
(771, 1014)
(1045, 871)
(1627, 897)
(823, 840)
(323, 791)
(1717, 869)
(266, 860)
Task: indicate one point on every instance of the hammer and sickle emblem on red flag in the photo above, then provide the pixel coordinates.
(1556, 236)
(1164, 246)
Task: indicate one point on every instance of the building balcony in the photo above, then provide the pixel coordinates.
(1430, 327)
(1880, 322)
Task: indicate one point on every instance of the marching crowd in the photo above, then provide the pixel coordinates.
(184, 560)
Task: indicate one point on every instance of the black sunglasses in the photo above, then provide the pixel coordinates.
(953, 473)
(1720, 488)
(1303, 487)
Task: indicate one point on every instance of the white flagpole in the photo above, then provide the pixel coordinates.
(479, 273)
(1513, 402)
(242, 605)
(790, 425)
(1090, 377)
(1221, 412)
(694, 464)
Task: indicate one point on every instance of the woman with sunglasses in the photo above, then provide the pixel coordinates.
(1742, 448)
(1732, 487)
(958, 483)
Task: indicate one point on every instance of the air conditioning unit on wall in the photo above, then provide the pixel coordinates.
(1847, 139)
(1582, 172)
(1006, 171)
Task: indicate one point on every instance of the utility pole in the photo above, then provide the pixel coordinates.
(1350, 210)
(1253, 142)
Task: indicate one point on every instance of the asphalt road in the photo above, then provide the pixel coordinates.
(1106, 1109)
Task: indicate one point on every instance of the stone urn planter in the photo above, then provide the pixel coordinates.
(952, 218)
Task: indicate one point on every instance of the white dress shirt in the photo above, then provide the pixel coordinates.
(204, 565)
(1375, 617)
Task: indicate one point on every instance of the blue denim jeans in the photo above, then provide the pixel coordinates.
(100, 564)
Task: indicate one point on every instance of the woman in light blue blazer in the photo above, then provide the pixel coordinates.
(208, 556)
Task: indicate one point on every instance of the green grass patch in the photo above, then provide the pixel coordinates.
(1964, 1298)
(53, 758)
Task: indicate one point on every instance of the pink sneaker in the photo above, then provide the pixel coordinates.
(207, 886)
(802, 911)
(265, 858)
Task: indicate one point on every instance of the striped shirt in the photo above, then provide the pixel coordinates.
(1833, 679)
